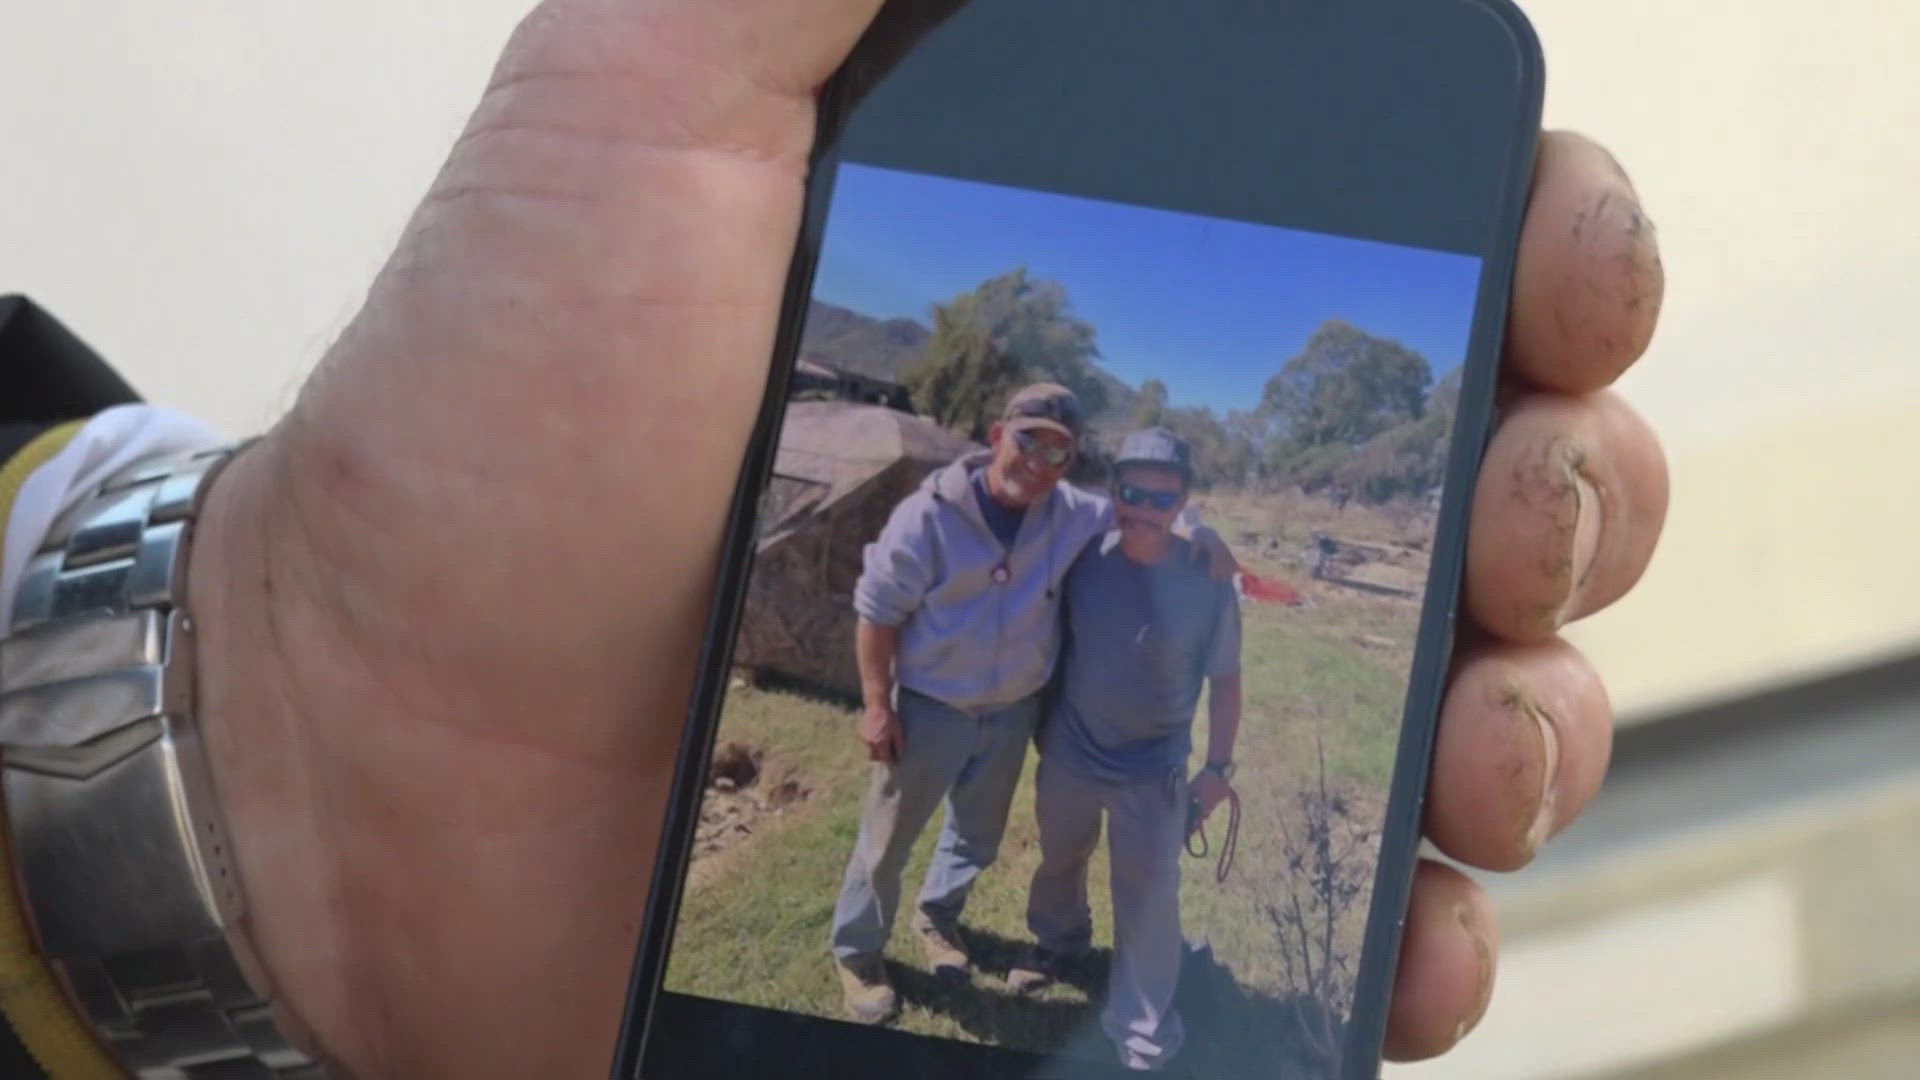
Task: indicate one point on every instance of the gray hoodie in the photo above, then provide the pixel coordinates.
(966, 639)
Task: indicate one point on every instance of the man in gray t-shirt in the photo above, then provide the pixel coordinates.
(1141, 642)
(1145, 634)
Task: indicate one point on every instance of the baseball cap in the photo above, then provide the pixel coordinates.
(1045, 405)
(1156, 446)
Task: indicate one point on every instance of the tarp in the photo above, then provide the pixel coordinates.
(839, 471)
(1268, 590)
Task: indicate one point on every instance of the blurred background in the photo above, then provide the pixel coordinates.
(204, 191)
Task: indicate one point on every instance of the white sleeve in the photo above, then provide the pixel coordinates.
(111, 441)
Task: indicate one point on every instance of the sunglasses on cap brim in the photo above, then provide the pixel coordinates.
(1056, 456)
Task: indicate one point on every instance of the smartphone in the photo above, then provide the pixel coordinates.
(1067, 704)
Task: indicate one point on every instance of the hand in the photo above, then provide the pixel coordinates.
(1209, 789)
(1212, 552)
(880, 731)
(447, 641)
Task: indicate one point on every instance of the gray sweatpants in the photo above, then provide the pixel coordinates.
(970, 762)
(1146, 823)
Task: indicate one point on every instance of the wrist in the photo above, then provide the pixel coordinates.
(236, 595)
(395, 827)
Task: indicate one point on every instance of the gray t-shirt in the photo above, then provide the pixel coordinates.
(1141, 641)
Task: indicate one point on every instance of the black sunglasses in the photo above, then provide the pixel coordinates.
(1162, 501)
(1032, 447)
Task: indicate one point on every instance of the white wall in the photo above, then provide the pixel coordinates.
(204, 190)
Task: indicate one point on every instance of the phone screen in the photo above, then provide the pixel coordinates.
(1102, 569)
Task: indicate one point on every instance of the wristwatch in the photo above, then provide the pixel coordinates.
(120, 851)
(1222, 769)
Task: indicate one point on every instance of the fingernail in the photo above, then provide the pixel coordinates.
(1585, 535)
(1483, 957)
(1547, 816)
(1515, 700)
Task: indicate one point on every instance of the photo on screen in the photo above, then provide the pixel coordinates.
(1093, 518)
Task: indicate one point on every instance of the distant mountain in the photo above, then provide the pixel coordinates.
(886, 348)
(850, 341)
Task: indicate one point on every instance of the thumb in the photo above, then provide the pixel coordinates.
(451, 605)
(565, 352)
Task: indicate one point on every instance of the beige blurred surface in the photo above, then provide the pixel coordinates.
(204, 190)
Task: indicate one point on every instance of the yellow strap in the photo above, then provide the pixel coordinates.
(15, 470)
(35, 1004)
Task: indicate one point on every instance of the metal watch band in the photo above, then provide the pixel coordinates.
(119, 849)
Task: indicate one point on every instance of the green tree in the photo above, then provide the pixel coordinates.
(1345, 387)
(1151, 407)
(1403, 462)
(1008, 331)
(1445, 398)
(965, 379)
(1411, 459)
(1247, 435)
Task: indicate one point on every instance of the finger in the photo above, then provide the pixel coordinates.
(1445, 977)
(1525, 735)
(774, 44)
(584, 84)
(1589, 281)
(1570, 501)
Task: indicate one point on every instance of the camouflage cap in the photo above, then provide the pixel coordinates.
(1045, 405)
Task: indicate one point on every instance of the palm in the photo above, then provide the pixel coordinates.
(563, 415)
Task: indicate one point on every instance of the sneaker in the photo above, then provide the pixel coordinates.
(867, 990)
(946, 955)
(1036, 970)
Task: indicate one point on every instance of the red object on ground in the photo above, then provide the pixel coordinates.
(1267, 590)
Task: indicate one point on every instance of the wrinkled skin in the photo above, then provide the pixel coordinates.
(448, 634)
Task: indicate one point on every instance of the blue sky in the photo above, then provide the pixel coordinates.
(1211, 307)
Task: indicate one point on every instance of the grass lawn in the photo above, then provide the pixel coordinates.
(754, 922)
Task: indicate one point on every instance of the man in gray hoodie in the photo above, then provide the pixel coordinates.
(959, 607)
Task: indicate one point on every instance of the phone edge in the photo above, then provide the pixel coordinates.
(701, 725)
(1363, 1052)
